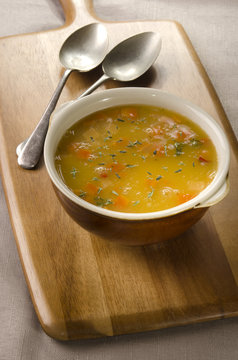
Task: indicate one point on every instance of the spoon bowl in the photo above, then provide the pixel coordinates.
(85, 48)
(129, 59)
(133, 57)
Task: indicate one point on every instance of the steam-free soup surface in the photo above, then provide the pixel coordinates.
(136, 159)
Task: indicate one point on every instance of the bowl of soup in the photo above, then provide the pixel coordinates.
(136, 165)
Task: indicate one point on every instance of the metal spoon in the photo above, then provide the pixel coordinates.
(83, 51)
(129, 59)
(126, 62)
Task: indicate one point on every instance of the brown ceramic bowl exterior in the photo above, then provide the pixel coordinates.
(131, 232)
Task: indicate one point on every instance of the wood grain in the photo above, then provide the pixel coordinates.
(82, 286)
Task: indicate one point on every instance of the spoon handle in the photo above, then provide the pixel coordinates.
(93, 87)
(32, 150)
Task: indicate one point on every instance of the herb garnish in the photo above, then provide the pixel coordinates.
(179, 148)
(115, 193)
(118, 119)
(74, 172)
(155, 152)
(131, 144)
(136, 202)
(130, 166)
(159, 177)
(82, 193)
(103, 202)
(150, 194)
(117, 175)
(179, 170)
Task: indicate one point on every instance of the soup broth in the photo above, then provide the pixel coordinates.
(136, 159)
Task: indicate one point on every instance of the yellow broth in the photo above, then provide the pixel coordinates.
(136, 159)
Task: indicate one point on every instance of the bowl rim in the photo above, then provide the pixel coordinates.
(106, 98)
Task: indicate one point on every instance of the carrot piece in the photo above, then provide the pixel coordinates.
(117, 167)
(91, 188)
(83, 153)
(121, 201)
(151, 183)
(202, 160)
(182, 198)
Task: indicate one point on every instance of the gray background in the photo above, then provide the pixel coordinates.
(212, 26)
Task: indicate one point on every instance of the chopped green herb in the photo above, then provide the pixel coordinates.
(115, 193)
(102, 202)
(109, 133)
(117, 175)
(193, 164)
(131, 144)
(181, 163)
(150, 194)
(159, 177)
(149, 173)
(143, 157)
(179, 170)
(123, 151)
(120, 140)
(92, 138)
(95, 179)
(165, 168)
(112, 155)
(120, 120)
(99, 190)
(101, 164)
(82, 194)
(155, 152)
(74, 172)
(179, 148)
(130, 166)
(136, 202)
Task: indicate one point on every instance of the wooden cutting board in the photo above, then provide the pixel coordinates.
(82, 286)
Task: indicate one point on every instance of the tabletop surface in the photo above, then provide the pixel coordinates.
(212, 28)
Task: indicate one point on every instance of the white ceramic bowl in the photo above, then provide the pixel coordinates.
(87, 214)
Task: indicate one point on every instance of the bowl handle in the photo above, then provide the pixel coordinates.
(217, 197)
